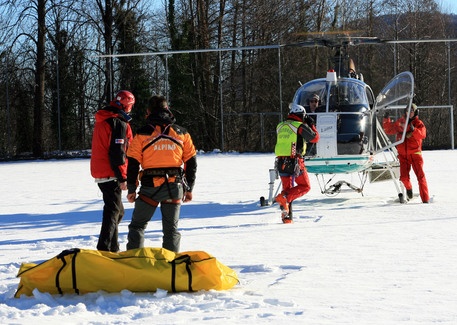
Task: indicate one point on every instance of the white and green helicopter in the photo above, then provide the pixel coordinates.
(349, 122)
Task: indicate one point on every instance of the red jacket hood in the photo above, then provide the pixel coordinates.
(104, 114)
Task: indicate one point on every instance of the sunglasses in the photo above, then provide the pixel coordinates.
(313, 101)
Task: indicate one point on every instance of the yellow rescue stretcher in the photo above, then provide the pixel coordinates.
(138, 270)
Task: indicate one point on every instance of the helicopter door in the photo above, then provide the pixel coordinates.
(326, 126)
(398, 93)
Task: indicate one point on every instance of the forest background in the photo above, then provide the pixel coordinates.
(52, 79)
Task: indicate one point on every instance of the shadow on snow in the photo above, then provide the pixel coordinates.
(53, 222)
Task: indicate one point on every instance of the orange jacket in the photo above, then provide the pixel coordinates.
(161, 144)
(412, 144)
(154, 147)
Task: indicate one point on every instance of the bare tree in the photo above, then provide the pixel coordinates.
(249, 79)
(31, 13)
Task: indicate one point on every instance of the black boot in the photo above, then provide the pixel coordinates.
(409, 193)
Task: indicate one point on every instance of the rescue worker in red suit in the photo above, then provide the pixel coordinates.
(290, 148)
(410, 151)
(110, 141)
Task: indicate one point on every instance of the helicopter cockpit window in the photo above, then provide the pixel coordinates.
(347, 93)
(311, 90)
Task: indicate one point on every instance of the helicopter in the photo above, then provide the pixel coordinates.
(349, 121)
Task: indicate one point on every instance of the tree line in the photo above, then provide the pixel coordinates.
(53, 76)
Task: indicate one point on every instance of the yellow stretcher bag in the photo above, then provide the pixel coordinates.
(138, 270)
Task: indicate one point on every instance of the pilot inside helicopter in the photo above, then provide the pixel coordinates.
(313, 104)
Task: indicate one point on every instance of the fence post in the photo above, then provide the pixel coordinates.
(451, 109)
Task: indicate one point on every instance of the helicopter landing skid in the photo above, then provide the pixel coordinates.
(271, 197)
(335, 189)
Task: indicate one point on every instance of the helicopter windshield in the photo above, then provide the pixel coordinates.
(310, 90)
(346, 127)
(345, 92)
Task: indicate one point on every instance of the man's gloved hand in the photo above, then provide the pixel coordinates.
(411, 127)
(309, 120)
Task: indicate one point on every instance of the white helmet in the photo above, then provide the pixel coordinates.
(297, 109)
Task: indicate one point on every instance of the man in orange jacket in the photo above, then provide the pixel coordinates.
(108, 163)
(168, 160)
(410, 151)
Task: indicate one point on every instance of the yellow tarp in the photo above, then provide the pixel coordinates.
(138, 270)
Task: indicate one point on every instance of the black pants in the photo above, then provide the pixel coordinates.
(113, 212)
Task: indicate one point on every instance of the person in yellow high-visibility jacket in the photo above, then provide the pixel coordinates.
(290, 148)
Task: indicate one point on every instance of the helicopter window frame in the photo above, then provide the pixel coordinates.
(370, 96)
(397, 91)
(306, 91)
(395, 101)
(353, 88)
(348, 90)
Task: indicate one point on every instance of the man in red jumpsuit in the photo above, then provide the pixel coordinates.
(410, 151)
(110, 141)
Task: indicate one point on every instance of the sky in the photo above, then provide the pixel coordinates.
(449, 5)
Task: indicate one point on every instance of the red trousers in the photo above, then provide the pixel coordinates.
(301, 188)
(416, 161)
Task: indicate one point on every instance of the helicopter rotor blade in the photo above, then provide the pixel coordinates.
(375, 40)
(337, 42)
(323, 34)
(406, 41)
(259, 47)
(345, 41)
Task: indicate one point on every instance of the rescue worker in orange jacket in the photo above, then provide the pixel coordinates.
(168, 159)
(290, 148)
(410, 151)
(108, 163)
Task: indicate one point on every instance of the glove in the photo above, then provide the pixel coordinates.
(386, 114)
(411, 127)
(309, 120)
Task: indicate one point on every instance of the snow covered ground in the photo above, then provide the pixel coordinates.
(348, 259)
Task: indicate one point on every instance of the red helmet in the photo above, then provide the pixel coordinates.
(124, 100)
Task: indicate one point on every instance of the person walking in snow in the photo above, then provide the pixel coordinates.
(410, 151)
(111, 138)
(292, 136)
(168, 159)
